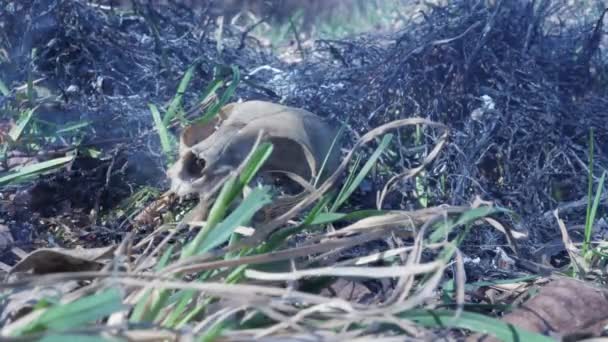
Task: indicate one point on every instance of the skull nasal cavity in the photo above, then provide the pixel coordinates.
(193, 165)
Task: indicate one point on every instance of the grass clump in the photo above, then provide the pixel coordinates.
(591, 258)
(224, 285)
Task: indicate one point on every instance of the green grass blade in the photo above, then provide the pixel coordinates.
(211, 89)
(234, 277)
(4, 89)
(30, 171)
(363, 173)
(588, 227)
(327, 218)
(193, 313)
(318, 209)
(593, 212)
(164, 259)
(598, 196)
(90, 152)
(215, 331)
(231, 189)
(465, 218)
(79, 338)
(74, 315)
(31, 94)
(24, 119)
(258, 159)
(349, 180)
(140, 309)
(163, 132)
(73, 127)
(176, 103)
(213, 110)
(150, 313)
(475, 214)
(258, 198)
(279, 237)
(421, 192)
(236, 78)
(216, 214)
(185, 297)
(474, 322)
(329, 153)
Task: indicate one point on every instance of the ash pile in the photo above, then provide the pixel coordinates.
(94, 69)
(520, 83)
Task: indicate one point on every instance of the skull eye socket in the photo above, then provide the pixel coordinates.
(193, 165)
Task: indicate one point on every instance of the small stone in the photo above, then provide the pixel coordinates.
(73, 89)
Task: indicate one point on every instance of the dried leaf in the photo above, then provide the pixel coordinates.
(54, 260)
(563, 307)
(586, 304)
(301, 142)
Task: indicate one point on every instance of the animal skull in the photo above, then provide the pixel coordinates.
(209, 151)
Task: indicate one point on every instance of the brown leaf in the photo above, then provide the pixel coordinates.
(564, 307)
(55, 260)
(301, 141)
